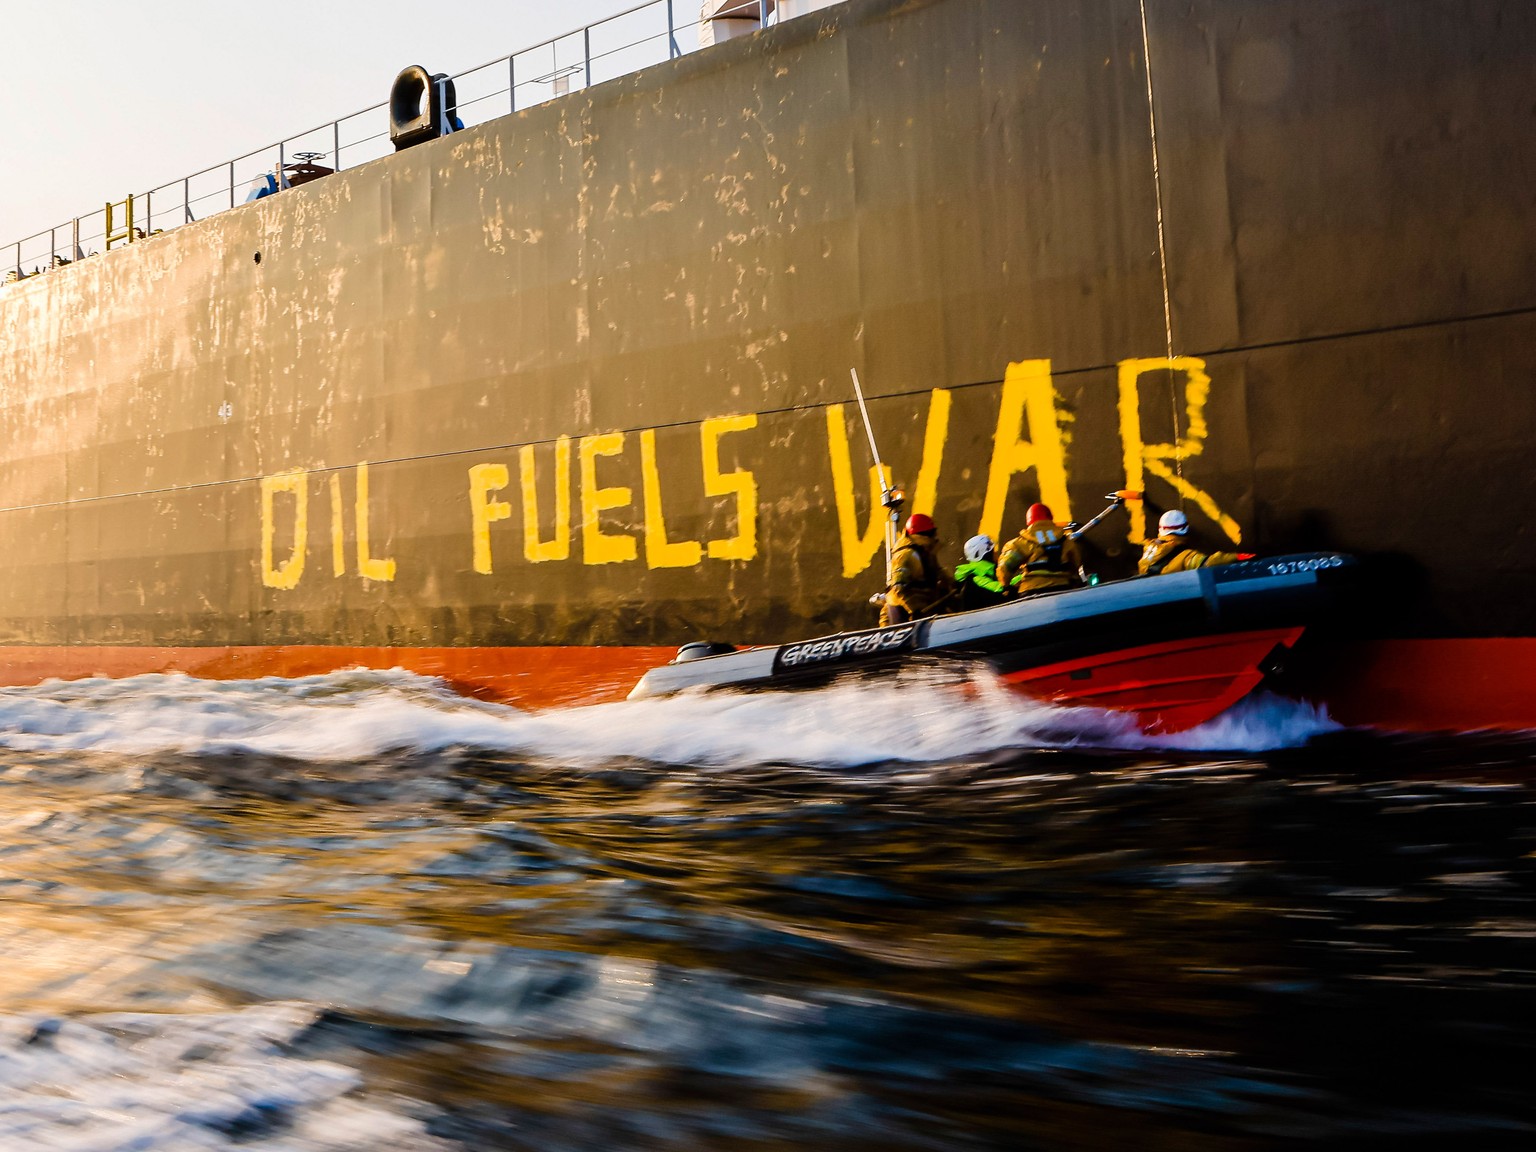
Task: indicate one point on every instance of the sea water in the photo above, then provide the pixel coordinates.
(360, 912)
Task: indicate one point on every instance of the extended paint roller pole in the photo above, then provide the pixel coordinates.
(1116, 500)
(890, 498)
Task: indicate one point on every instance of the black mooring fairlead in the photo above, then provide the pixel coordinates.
(422, 107)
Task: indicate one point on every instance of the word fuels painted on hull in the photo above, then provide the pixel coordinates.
(1031, 435)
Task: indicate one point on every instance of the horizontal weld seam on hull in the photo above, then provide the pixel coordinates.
(1351, 334)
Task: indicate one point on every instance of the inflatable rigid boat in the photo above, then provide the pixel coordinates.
(1174, 650)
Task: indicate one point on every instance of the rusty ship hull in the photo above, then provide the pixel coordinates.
(530, 405)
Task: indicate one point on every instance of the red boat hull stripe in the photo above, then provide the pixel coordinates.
(1170, 686)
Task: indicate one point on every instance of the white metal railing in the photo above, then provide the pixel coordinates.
(615, 46)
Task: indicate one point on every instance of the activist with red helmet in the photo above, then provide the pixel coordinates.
(1044, 557)
(918, 584)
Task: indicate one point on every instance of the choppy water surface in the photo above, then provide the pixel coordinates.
(357, 912)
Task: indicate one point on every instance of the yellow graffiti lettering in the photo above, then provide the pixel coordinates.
(483, 511)
(1142, 458)
(597, 546)
(925, 496)
(338, 528)
(368, 566)
(558, 546)
(658, 552)
(1028, 393)
(741, 484)
(859, 549)
(286, 574)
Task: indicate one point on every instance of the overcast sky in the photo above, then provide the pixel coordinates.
(109, 98)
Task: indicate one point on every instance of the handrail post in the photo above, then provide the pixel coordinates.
(231, 183)
(53, 247)
(149, 213)
(186, 199)
(512, 81)
(672, 52)
(586, 37)
(335, 145)
(75, 252)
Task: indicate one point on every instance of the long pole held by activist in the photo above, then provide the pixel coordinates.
(890, 498)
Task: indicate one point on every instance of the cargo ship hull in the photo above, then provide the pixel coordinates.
(564, 390)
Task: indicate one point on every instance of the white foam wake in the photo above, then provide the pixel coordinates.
(919, 717)
(188, 1083)
(1261, 722)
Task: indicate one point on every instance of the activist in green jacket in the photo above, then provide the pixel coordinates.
(976, 579)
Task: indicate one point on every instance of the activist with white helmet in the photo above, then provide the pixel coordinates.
(1173, 523)
(1170, 552)
(979, 547)
(976, 579)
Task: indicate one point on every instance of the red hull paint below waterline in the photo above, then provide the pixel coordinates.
(527, 677)
(1168, 687)
(1404, 685)
(1444, 685)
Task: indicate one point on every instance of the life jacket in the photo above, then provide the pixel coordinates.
(1173, 554)
(1159, 551)
(1047, 558)
(1049, 543)
(917, 584)
(932, 574)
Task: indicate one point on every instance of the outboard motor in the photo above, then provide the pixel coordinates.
(422, 107)
(699, 649)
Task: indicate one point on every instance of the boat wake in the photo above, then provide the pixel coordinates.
(188, 1082)
(922, 715)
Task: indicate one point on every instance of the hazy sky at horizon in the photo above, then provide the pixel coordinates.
(116, 98)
